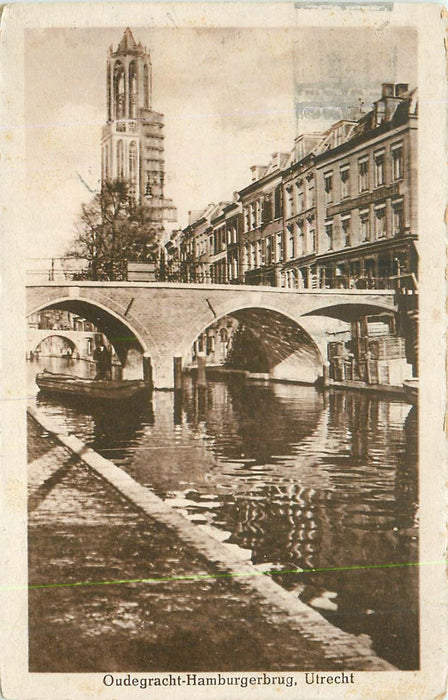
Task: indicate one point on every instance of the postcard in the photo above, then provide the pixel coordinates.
(223, 354)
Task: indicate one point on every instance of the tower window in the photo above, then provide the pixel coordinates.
(120, 159)
(119, 90)
(133, 161)
(146, 85)
(132, 90)
(109, 108)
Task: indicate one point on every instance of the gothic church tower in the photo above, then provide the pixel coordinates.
(132, 141)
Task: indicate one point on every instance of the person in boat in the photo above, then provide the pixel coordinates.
(103, 359)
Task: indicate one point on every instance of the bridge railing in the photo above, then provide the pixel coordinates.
(62, 269)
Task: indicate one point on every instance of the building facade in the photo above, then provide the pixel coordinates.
(132, 143)
(367, 189)
(338, 211)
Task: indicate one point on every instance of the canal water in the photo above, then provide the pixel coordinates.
(303, 479)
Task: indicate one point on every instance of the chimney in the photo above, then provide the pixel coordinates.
(387, 90)
(257, 172)
(401, 89)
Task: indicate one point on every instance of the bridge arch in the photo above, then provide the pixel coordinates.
(123, 333)
(290, 351)
(350, 311)
(37, 343)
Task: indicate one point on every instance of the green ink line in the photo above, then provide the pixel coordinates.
(198, 577)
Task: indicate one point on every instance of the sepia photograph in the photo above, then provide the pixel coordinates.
(221, 266)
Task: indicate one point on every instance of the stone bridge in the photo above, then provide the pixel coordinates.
(162, 320)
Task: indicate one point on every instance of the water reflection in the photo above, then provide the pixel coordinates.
(303, 480)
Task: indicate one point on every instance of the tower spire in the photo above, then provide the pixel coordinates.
(127, 43)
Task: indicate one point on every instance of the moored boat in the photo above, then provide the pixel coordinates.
(411, 390)
(70, 385)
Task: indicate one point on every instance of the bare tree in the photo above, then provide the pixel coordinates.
(113, 230)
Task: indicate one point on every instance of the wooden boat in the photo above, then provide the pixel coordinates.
(411, 390)
(69, 385)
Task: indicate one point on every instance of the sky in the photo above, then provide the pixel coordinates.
(228, 96)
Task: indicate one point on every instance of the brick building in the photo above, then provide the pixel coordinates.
(366, 196)
(338, 211)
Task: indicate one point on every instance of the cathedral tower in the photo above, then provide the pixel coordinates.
(132, 141)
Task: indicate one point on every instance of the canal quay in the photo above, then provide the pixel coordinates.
(245, 527)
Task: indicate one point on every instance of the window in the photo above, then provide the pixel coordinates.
(397, 161)
(119, 90)
(380, 221)
(267, 208)
(379, 168)
(120, 159)
(397, 217)
(279, 256)
(268, 250)
(210, 344)
(133, 80)
(106, 162)
(313, 239)
(253, 255)
(310, 194)
(345, 230)
(246, 219)
(258, 217)
(345, 181)
(291, 243)
(300, 200)
(247, 257)
(277, 203)
(364, 225)
(259, 254)
(328, 184)
(146, 85)
(329, 235)
(290, 201)
(300, 239)
(363, 172)
(133, 161)
(253, 216)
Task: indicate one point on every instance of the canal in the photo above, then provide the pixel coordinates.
(305, 480)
